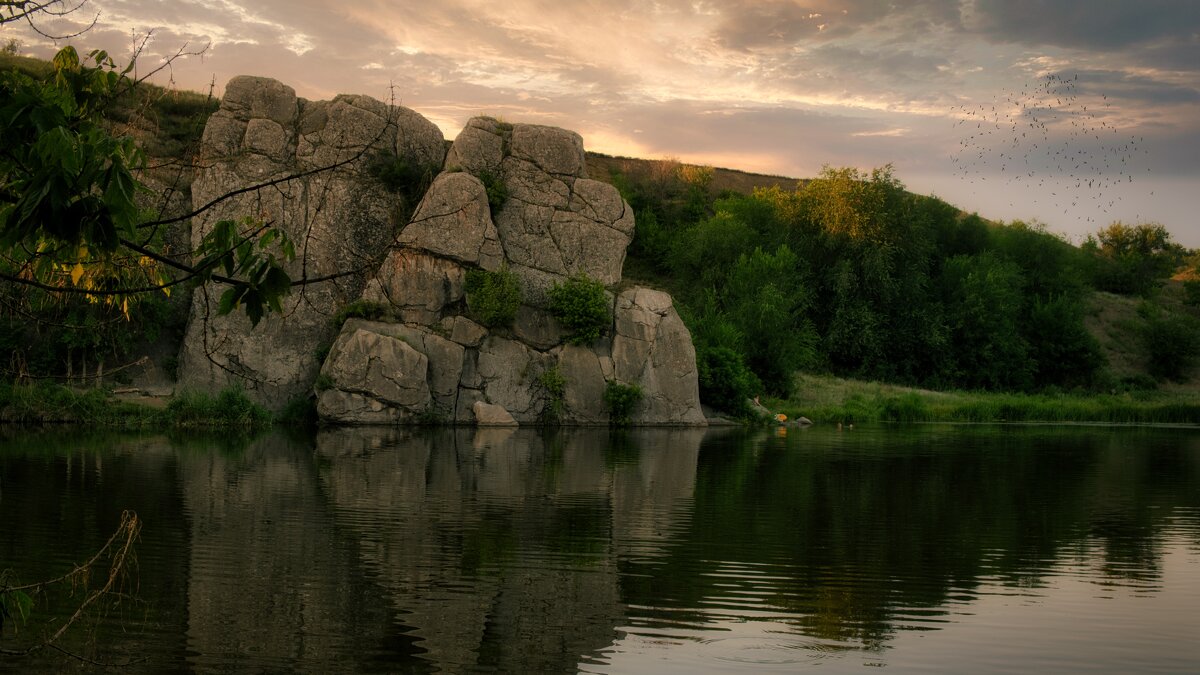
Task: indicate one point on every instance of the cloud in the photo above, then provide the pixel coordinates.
(781, 86)
(1087, 24)
(783, 24)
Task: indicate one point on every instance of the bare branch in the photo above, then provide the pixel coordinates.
(28, 10)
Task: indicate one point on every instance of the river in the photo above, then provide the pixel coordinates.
(977, 549)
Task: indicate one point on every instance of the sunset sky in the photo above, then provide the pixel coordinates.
(775, 86)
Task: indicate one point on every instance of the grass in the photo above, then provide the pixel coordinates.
(827, 399)
(48, 404)
(166, 122)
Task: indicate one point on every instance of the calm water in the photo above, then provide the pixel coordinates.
(932, 549)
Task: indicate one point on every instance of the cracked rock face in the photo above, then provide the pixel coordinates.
(652, 347)
(454, 220)
(545, 222)
(338, 219)
(555, 221)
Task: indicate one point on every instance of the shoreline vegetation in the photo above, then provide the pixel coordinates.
(824, 399)
(827, 399)
(43, 404)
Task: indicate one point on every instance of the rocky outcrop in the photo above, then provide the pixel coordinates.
(339, 218)
(510, 198)
(515, 197)
(653, 347)
(554, 221)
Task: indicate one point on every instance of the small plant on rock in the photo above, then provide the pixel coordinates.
(620, 399)
(581, 306)
(362, 309)
(323, 382)
(497, 191)
(493, 297)
(555, 385)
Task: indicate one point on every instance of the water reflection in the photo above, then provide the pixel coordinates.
(271, 584)
(500, 547)
(551, 551)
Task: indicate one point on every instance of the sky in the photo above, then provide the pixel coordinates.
(1093, 107)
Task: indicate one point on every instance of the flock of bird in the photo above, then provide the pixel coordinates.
(1048, 136)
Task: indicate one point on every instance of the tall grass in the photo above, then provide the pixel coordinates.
(229, 408)
(48, 404)
(832, 400)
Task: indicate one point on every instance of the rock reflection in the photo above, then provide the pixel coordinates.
(500, 546)
(270, 585)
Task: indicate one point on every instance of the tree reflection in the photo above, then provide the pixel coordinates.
(860, 534)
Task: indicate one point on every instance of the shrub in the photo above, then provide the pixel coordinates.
(725, 381)
(555, 385)
(497, 191)
(230, 407)
(299, 413)
(405, 177)
(361, 309)
(908, 407)
(323, 382)
(620, 400)
(493, 297)
(1191, 292)
(581, 306)
(1172, 343)
(399, 174)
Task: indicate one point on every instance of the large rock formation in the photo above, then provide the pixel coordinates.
(508, 197)
(340, 220)
(549, 222)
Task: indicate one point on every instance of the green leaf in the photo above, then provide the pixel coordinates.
(254, 308)
(230, 299)
(16, 604)
(276, 285)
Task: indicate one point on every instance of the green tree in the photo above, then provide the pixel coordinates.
(871, 255)
(764, 295)
(1171, 341)
(983, 307)
(1132, 259)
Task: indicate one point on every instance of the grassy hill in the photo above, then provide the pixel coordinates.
(603, 167)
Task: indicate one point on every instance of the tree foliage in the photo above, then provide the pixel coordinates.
(852, 274)
(1132, 259)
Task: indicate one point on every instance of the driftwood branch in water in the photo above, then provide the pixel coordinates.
(118, 550)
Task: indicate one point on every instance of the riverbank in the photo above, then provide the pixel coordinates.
(56, 404)
(823, 399)
(828, 399)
